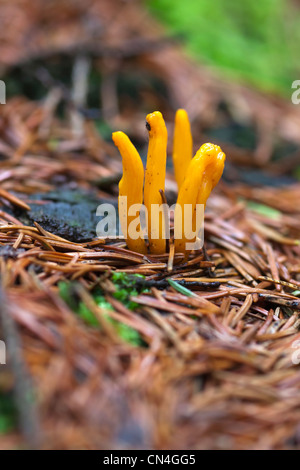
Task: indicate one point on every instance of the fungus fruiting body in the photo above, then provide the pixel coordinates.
(130, 186)
(155, 181)
(202, 175)
(196, 177)
(182, 146)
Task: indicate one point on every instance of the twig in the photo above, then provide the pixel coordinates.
(24, 392)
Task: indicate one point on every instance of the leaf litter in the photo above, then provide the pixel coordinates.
(120, 350)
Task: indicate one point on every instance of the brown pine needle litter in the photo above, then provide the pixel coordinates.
(216, 361)
(200, 353)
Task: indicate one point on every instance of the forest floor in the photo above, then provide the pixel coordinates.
(110, 349)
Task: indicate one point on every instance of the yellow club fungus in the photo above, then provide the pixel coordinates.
(202, 175)
(196, 178)
(182, 146)
(131, 186)
(155, 181)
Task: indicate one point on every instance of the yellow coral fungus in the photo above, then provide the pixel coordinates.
(202, 175)
(196, 178)
(182, 146)
(155, 180)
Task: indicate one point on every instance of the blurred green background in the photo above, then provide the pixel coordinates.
(253, 41)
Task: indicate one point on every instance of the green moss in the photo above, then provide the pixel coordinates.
(125, 288)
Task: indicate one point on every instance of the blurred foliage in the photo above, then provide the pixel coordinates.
(253, 41)
(264, 210)
(8, 413)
